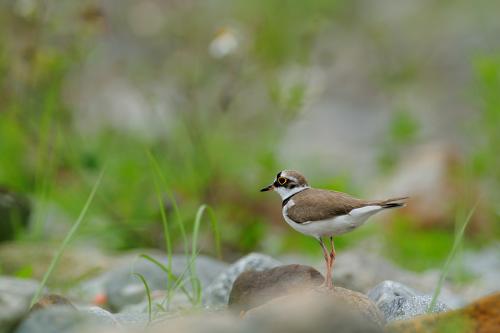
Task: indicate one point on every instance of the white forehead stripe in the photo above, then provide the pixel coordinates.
(285, 174)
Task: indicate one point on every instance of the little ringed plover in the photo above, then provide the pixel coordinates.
(323, 213)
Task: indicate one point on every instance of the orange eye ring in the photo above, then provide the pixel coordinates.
(282, 180)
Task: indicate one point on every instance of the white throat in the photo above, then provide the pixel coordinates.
(287, 192)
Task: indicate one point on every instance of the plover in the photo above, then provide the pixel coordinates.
(324, 213)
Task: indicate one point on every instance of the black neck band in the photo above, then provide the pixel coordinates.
(285, 201)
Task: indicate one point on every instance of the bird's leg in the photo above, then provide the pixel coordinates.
(328, 279)
(332, 261)
(325, 251)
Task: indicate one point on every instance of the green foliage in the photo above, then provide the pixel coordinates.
(224, 122)
(25, 272)
(66, 241)
(415, 248)
(216, 125)
(177, 282)
(403, 131)
(485, 159)
(284, 31)
(461, 224)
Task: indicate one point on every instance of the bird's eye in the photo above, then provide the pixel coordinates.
(282, 180)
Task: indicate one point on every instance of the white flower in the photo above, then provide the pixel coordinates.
(224, 43)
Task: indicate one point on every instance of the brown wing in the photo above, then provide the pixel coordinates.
(315, 204)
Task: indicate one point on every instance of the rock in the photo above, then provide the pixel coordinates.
(482, 316)
(308, 311)
(51, 300)
(253, 288)
(15, 210)
(360, 302)
(129, 319)
(100, 315)
(122, 288)
(132, 319)
(65, 319)
(179, 301)
(404, 308)
(15, 298)
(361, 269)
(216, 322)
(57, 314)
(388, 290)
(217, 293)
(340, 310)
(397, 301)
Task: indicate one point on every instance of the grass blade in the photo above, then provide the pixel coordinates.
(166, 232)
(171, 277)
(444, 272)
(67, 239)
(180, 281)
(159, 173)
(157, 263)
(148, 294)
(195, 283)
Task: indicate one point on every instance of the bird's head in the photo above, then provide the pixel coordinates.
(287, 183)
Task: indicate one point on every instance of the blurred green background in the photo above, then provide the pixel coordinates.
(372, 98)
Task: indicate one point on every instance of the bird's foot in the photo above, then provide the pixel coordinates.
(327, 286)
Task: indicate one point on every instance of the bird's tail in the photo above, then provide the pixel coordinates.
(393, 202)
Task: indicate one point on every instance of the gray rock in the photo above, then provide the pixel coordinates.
(159, 304)
(132, 319)
(64, 319)
(100, 315)
(123, 288)
(216, 295)
(397, 301)
(128, 319)
(15, 297)
(388, 290)
(360, 269)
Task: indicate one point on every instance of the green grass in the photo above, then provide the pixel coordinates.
(177, 282)
(461, 223)
(161, 182)
(415, 248)
(148, 295)
(195, 282)
(170, 287)
(67, 240)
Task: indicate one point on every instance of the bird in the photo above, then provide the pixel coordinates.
(324, 213)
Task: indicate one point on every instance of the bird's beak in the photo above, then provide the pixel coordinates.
(268, 188)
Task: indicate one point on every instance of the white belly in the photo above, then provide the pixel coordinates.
(332, 227)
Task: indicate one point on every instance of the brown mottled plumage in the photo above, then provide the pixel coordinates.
(316, 204)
